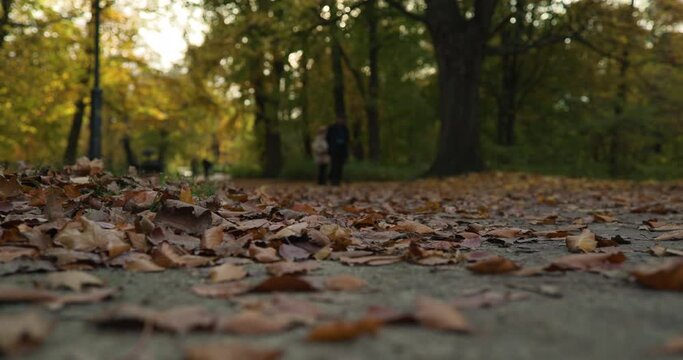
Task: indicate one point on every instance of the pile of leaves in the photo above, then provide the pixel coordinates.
(82, 218)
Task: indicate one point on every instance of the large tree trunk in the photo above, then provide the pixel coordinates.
(509, 93)
(266, 125)
(75, 132)
(459, 48)
(372, 107)
(337, 81)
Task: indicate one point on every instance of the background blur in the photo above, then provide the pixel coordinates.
(581, 88)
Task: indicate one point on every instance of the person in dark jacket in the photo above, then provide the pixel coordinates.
(338, 147)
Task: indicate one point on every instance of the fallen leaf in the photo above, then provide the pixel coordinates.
(585, 242)
(493, 265)
(413, 227)
(344, 283)
(263, 255)
(185, 217)
(586, 261)
(73, 280)
(294, 230)
(291, 268)
(230, 351)
(223, 291)
(293, 253)
(227, 272)
(284, 283)
(670, 236)
(373, 260)
(23, 331)
(251, 322)
(665, 276)
(180, 319)
(9, 253)
(437, 315)
(672, 346)
(343, 330)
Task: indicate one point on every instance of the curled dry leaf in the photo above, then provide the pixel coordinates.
(284, 283)
(250, 322)
(493, 265)
(670, 236)
(672, 346)
(230, 351)
(664, 276)
(344, 330)
(227, 272)
(9, 253)
(20, 332)
(73, 280)
(168, 256)
(584, 242)
(293, 253)
(507, 233)
(413, 227)
(91, 237)
(373, 260)
(587, 261)
(137, 262)
(222, 291)
(185, 217)
(291, 268)
(179, 319)
(344, 283)
(435, 314)
(263, 255)
(294, 230)
(212, 238)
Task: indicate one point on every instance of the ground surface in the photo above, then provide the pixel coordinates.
(596, 313)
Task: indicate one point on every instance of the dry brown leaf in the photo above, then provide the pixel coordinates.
(227, 272)
(413, 227)
(92, 237)
(665, 276)
(672, 346)
(507, 233)
(167, 256)
(344, 283)
(9, 253)
(228, 351)
(180, 319)
(670, 236)
(584, 242)
(587, 261)
(343, 330)
(73, 280)
(263, 255)
(23, 331)
(435, 314)
(284, 283)
(493, 265)
(250, 322)
(212, 238)
(183, 216)
(372, 260)
(222, 291)
(294, 230)
(291, 268)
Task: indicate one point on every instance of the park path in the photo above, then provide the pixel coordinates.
(487, 266)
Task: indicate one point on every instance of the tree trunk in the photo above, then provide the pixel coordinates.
(266, 123)
(372, 108)
(337, 80)
(75, 132)
(459, 48)
(303, 100)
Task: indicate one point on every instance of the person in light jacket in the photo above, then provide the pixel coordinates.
(321, 154)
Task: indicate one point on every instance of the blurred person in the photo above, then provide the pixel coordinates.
(338, 147)
(321, 154)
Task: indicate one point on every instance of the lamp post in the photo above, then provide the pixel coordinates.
(95, 148)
